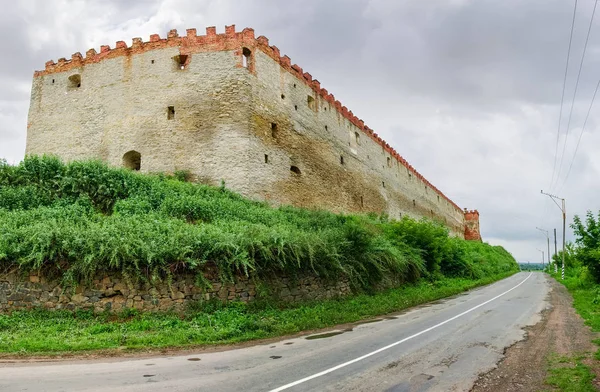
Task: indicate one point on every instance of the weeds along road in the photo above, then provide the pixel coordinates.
(437, 347)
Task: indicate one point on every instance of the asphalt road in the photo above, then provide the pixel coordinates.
(441, 346)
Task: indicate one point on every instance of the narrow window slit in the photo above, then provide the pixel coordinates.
(246, 57)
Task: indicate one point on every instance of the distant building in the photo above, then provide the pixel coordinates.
(227, 107)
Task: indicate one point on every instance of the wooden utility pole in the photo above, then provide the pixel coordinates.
(563, 209)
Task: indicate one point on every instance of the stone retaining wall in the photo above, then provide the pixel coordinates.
(112, 292)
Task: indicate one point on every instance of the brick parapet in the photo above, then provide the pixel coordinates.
(230, 40)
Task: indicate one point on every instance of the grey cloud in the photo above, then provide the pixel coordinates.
(466, 90)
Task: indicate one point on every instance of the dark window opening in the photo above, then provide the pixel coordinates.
(52, 81)
(327, 129)
(180, 61)
(362, 202)
(170, 112)
(266, 158)
(311, 102)
(438, 198)
(152, 61)
(274, 129)
(409, 176)
(341, 159)
(282, 96)
(383, 184)
(246, 57)
(357, 137)
(75, 81)
(414, 203)
(294, 85)
(295, 170)
(296, 107)
(132, 160)
(389, 162)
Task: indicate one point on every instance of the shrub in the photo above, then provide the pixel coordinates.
(82, 218)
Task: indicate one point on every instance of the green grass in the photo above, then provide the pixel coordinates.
(569, 373)
(62, 332)
(81, 219)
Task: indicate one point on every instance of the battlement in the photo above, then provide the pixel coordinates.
(188, 44)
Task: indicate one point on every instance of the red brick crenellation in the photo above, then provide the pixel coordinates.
(230, 40)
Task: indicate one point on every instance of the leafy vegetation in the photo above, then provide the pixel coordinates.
(60, 332)
(582, 278)
(78, 219)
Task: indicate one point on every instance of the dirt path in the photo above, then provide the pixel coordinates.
(561, 331)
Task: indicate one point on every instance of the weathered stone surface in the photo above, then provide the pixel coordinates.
(20, 293)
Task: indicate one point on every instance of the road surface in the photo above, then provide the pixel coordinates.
(441, 346)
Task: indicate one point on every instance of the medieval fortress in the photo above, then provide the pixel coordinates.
(227, 107)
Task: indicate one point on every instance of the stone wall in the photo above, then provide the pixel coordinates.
(112, 293)
(227, 107)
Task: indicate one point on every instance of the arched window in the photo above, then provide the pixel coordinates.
(246, 57)
(74, 81)
(295, 170)
(132, 160)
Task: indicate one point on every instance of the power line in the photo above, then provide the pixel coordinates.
(575, 92)
(581, 133)
(562, 98)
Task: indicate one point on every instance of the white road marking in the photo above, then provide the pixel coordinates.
(324, 372)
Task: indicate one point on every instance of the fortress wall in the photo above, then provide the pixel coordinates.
(246, 124)
(369, 179)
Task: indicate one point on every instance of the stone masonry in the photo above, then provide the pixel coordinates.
(227, 107)
(112, 293)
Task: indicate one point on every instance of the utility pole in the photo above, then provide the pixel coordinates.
(555, 251)
(542, 258)
(563, 209)
(548, 240)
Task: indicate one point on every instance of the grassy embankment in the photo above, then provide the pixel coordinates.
(78, 220)
(571, 373)
(582, 279)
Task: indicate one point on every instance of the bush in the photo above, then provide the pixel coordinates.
(82, 218)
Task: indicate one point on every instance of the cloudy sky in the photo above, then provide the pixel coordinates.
(468, 91)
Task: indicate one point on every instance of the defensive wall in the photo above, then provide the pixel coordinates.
(227, 107)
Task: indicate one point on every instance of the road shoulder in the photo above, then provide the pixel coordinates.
(560, 333)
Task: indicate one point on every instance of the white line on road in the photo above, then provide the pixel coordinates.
(324, 372)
